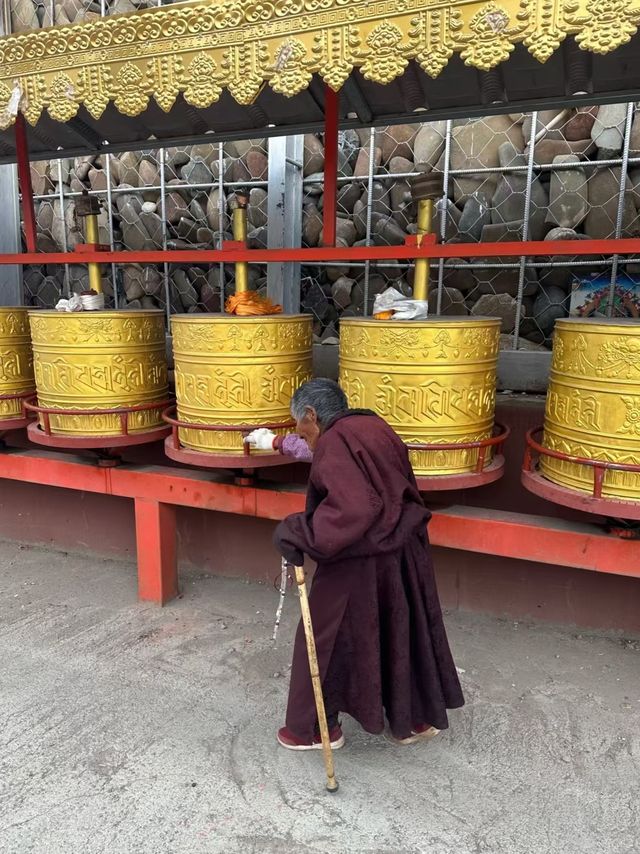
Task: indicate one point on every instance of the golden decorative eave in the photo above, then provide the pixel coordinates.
(198, 49)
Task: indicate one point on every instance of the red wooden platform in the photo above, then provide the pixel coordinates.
(157, 491)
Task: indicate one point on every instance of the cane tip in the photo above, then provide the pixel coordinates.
(333, 786)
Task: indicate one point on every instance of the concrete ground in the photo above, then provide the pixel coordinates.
(127, 728)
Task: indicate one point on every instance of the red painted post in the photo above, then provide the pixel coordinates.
(156, 547)
(330, 198)
(24, 180)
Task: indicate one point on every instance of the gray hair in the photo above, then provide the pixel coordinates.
(324, 396)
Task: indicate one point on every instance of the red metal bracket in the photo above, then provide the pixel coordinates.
(595, 502)
(247, 462)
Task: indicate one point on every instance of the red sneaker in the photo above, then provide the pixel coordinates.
(287, 739)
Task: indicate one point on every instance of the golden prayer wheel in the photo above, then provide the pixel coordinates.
(433, 381)
(16, 362)
(593, 404)
(86, 361)
(237, 371)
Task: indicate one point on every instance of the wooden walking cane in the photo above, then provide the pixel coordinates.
(332, 783)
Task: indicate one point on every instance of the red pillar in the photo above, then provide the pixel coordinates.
(331, 124)
(156, 547)
(24, 179)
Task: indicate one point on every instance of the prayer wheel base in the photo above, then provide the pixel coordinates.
(235, 462)
(11, 424)
(617, 508)
(451, 482)
(37, 435)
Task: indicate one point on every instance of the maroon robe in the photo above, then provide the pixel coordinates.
(382, 645)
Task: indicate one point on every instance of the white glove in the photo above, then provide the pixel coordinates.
(261, 439)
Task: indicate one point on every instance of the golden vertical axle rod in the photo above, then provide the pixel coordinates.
(240, 235)
(93, 236)
(332, 783)
(425, 189)
(88, 208)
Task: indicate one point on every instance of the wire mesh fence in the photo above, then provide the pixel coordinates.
(174, 198)
(547, 176)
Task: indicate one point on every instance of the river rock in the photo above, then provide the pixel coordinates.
(348, 147)
(135, 236)
(311, 225)
(568, 195)
(97, 179)
(551, 304)
(387, 232)
(345, 232)
(460, 277)
(188, 294)
(508, 202)
(210, 298)
(257, 239)
(452, 302)
(451, 216)
(149, 173)
(48, 293)
(257, 163)
(44, 216)
(603, 191)
(196, 171)
(608, 129)
(475, 145)
(213, 210)
(397, 141)
(429, 145)
(313, 154)
(361, 168)
(128, 169)
(176, 207)
(498, 305)
(132, 277)
(348, 195)
(187, 230)
(548, 149)
(341, 291)
(580, 124)
(153, 225)
(24, 16)
(258, 207)
(40, 178)
(476, 213)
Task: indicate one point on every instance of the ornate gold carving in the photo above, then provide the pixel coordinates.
(101, 361)
(433, 381)
(197, 48)
(16, 360)
(233, 370)
(593, 403)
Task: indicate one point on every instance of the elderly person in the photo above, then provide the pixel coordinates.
(382, 646)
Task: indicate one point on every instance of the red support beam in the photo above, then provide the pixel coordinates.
(539, 248)
(156, 549)
(24, 179)
(330, 197)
